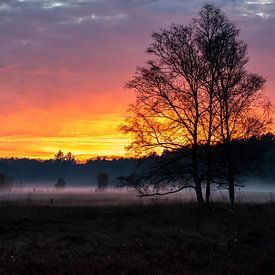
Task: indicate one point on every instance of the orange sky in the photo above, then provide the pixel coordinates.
(63, 65)
(87, 127)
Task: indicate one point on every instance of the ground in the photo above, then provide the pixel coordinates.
(166, 238)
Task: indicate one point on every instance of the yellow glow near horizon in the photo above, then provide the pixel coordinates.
(64, 65)
(45, 147)
(32, 134)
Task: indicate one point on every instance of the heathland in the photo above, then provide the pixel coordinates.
(153, 238)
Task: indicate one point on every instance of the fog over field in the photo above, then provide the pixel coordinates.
(39, 194)
(33, 183)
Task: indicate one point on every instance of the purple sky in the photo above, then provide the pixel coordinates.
(63, 64)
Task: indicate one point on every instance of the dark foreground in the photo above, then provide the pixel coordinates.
(136, 239)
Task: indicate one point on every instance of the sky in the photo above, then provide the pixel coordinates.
(64, 64)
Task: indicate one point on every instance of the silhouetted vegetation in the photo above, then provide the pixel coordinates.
(31, 171)
(61, 157)
(196, 99)
(6, 182)
(102, 180)
(60, 183)
(254, 161)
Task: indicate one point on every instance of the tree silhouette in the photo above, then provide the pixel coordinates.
(60, 183)
(69, 158)
(194, 91)
(59, 156)
(238, 108)
(62, 158)
(102, 180)
(6, 182)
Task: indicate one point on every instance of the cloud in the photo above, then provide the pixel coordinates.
(65, 59)
(54, 5)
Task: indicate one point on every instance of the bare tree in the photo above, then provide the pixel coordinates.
(167, 111)
(196, 91)
(236, 95)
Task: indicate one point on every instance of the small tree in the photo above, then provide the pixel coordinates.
(102, 180)
(70, 158)
(6, 182)
(60, 183)
(59, 156)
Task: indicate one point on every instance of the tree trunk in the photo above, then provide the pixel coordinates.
(196, 174)
(209, 152)
(231, 187)
(208, 177)
(199, 193)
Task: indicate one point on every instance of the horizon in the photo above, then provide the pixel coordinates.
(64, 65)
(79, 159)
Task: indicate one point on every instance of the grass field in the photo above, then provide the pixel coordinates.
(137, 239)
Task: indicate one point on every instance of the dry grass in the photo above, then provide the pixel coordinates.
(135, 239)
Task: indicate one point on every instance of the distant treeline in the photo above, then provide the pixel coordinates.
(253, 163)
(39, 172)
(31, 171)
(262, 153)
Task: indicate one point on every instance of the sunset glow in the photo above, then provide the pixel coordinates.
(63, 66)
